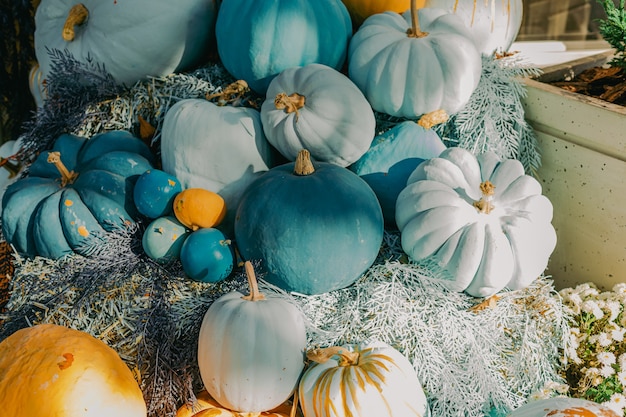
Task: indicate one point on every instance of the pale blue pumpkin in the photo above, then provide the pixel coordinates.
(163, 239)
(256, 40)
(207, 255)
(51, 214)
(312, 231)
(392, 157)
(131, 39)
(154, 193)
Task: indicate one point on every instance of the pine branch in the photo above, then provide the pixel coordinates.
(613, 29)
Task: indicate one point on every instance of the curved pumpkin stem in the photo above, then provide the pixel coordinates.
(321, 355)
(484, 205)
(67, 177)
(77, 16)
(414, 31)
(231, 93)
(254, 295)
(303, 164)
(290, 103)
(11, 166)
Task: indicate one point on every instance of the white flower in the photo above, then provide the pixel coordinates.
(620, 288)
(618, 334)
(617, 403)
(621, 377)
(592, 307)
(614, 308)
(604, 339)
(591, 372)
(607, 371)
(606, 358)
(575, 300)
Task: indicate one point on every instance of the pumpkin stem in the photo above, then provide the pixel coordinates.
(414, 31)
(291, 103)
(346, 357)
(303, 165)
(9, 165)
(484, 205)
(77, 16)
(231, 93)
(254, 295)
(67, 177)
(429, 120)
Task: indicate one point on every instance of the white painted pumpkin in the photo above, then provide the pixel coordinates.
(251, 349)
(487, 238)
(369, 379)
(217, 148)
(563, 407)
(317, 108)
(494, 23)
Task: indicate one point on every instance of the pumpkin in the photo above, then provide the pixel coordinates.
(206, 406)
(207, 256)
(435, 65)
(251, 349)
(563, 407)
(52, 370)
(154, 193)
(218, 148)
(368, 379)
(76, 192)
(257, 40)
(494, 23)
(304, 220)
(197, 207)
(482, 219)
(130, 39)
(362, 9)
(163, 239)
(392, 157)
(37, 86)
(317, 108)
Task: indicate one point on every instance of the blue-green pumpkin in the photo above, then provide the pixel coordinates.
(207, 255)
(256, 40)
(315, 226)
(392, 157)
(154, 193)
(163, 239)
(84, 191)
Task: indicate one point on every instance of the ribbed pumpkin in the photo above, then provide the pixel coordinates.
(369, 379)
(251, 349)
(51, 370)
(480, 218)
(76, 192)
(256, 40)
(206, 406)
(302, 220)
(317, 108)
(131, 39)
(436, 65)
(563, 407)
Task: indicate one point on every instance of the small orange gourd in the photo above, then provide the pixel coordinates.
(52, 370)
(197, 208)
(362, 9)
(206, 406)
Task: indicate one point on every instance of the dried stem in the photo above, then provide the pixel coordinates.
(77, 16)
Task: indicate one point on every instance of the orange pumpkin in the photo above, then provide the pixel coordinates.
(206, 406)
(197, 208)
(362, 9)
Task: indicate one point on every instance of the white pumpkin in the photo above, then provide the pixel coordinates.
(369, 379)
(251, 349)
(36, 85)
(480, 218)
(317, 108)
(563, 407)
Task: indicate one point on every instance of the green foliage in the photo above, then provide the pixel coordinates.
(613, 29)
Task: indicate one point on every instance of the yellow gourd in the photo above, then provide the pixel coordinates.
(52, 370)
(362, 9)
(206, 406)
(197, 208)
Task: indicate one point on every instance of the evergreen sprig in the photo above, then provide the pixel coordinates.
(613, 30)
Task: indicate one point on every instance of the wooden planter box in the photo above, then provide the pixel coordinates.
(583, 146)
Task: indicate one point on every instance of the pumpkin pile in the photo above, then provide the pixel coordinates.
(297, 179)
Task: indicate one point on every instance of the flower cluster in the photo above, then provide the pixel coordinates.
(595, 355)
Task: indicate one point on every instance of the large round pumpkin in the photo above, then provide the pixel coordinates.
(435, 65)
(76, 192)
(494, 23)
(131, 39)
(482, 219)
(256, 40)
(317, 108)
(369, 379)
(51, 370)
(251, 349)
(315, 227)
(562, 407)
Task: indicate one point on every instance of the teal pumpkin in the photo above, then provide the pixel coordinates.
(131, 39)
(392, 157)
(65, 203)
(315, 227)
(256, 40)
(163, 239)
(154, 193)
(207, 255)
